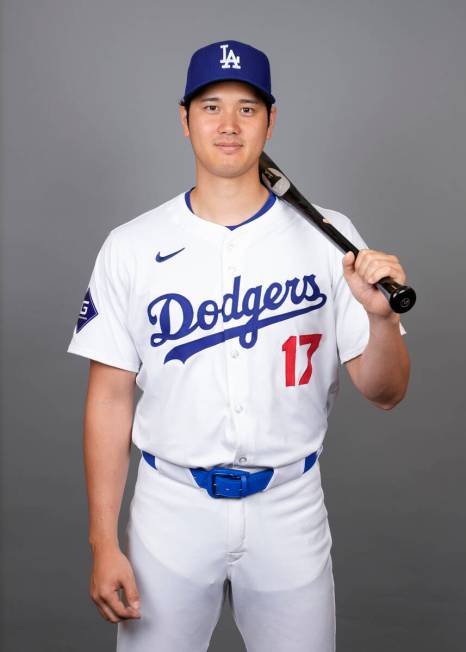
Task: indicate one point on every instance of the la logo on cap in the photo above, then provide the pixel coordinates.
(229, 60)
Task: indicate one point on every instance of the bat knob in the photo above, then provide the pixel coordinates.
(403, 299)
(400, 297)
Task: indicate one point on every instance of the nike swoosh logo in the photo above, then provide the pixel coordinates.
(160, 259)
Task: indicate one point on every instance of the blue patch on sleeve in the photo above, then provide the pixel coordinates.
(88, 311)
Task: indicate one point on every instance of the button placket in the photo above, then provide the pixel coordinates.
(231, 267)
(238, 384)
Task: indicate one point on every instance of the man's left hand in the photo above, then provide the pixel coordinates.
(369, 268)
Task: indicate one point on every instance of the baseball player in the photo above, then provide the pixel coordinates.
(233, 316)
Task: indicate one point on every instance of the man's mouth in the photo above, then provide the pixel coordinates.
(228, 147)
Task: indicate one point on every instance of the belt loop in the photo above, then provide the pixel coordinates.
(149, 458)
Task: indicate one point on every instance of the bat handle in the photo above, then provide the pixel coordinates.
(400, 297)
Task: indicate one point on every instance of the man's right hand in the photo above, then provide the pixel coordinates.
(112, 571)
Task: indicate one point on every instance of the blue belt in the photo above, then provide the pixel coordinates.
(221, 482)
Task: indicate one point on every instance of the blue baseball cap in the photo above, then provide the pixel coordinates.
(228, 60)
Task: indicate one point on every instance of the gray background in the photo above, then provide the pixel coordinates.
(371, 122)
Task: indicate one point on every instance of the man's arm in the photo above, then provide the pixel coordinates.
(107, 446)
(381, 372)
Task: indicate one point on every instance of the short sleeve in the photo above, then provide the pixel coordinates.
(351, 319)
(101, 332)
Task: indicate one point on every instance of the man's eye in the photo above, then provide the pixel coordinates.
(249, 110)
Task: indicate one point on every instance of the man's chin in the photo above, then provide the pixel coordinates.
(230, 168)
(228, 171)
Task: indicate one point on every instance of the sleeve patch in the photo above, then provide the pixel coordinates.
(87, 313)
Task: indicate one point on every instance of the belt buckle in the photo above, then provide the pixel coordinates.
(233, 483)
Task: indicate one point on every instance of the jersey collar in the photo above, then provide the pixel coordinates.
(258, 225)
(268, 204)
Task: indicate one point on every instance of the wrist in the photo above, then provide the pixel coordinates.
(100, 545)
(391, 319)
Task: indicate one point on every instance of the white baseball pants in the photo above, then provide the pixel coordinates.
(268, 553)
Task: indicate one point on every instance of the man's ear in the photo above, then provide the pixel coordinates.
(184, 120)
(273, 117)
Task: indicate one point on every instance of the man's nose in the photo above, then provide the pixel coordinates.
(229, 122)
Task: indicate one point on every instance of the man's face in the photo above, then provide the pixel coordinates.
(227, 127)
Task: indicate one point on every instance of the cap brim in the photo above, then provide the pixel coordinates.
(269, 96)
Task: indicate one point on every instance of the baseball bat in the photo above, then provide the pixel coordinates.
(400, 297)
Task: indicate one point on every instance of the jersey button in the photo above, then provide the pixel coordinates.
(234, 353)
(231, 268)
(238, 408)
(243, 459)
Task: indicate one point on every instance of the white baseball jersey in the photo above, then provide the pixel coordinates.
(236, 334)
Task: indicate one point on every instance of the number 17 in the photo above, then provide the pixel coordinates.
(289, 346)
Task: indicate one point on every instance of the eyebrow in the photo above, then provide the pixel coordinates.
(218, 99)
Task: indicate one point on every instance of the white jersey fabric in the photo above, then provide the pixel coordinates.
(236, 334)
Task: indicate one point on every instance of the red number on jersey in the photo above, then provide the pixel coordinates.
(290, 357)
